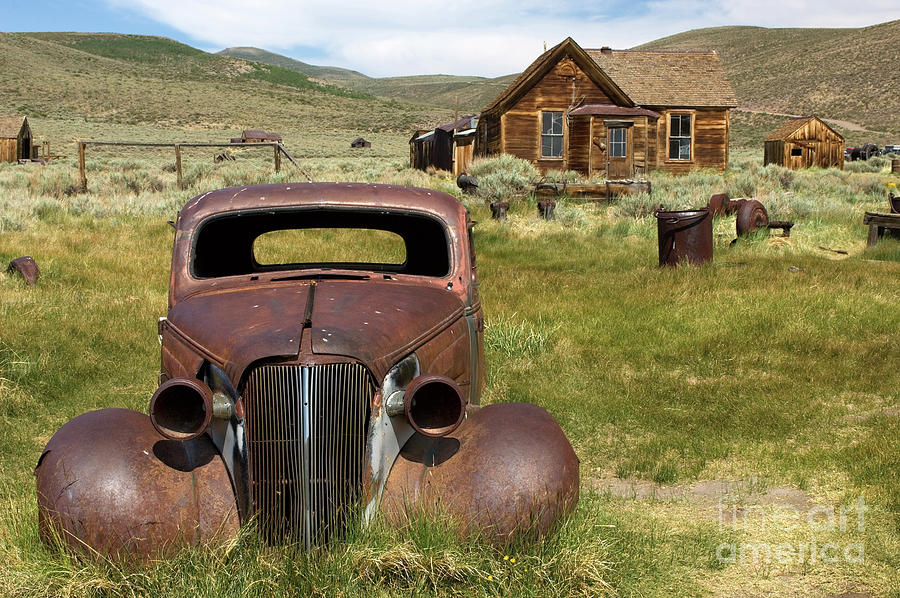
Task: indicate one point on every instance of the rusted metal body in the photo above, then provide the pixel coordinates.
(310, 378)
(108, 480)
(717, 204)
(684, 236)
(507, 469)
(27, 267)
(784, 225)
(499, 209)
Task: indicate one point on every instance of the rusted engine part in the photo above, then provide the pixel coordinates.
(547, 209)
(717, 204)
(894, 203)
(108, 482)
(508, 469)
(467, 183)
(27, 267)
(684, 236)
(784, 225)
(499, 209)
(751, 215)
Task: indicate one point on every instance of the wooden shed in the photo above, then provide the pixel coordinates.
(258, 136)
(448, 147)
(15, 139)
(804, 142)
(613, 113)
(359, 142)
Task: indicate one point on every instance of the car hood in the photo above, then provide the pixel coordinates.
(376, 322)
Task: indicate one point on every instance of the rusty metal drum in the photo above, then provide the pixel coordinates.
(684, 236)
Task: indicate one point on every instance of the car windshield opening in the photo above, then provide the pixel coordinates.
(321, 238)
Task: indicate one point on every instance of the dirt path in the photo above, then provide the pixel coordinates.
(846, 124)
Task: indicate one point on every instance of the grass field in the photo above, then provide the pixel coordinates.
(733, 421)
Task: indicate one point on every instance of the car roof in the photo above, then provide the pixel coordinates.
(293, 195)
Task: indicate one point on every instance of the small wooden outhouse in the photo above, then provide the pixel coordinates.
(15, 139)
(803, 142)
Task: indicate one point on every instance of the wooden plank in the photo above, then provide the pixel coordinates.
(82, 175)
(178, 166)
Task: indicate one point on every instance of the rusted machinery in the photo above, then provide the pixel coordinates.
(499, 209)
(26, 267)
(310, 396)
(547, 209)
(750, 214)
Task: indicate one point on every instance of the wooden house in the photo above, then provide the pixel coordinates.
(448, 147)
(359, 142)
(613, 113)
(15, 139)
(804, 142)
(258, 136)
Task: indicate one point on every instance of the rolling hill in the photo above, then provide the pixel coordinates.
(846, 74)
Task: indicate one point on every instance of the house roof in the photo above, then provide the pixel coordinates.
(613, 110)
(792, 125)
(463, 123)
(542, 66)
(667, 77)
(10, 126)
(259, 134)
(637, 77)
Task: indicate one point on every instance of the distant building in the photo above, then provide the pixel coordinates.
(15, 139)
(448, 147)
(360, 142)
(256, 136)
(613, 113)
(804, 142)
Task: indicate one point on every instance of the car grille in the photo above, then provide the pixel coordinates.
(306, 439)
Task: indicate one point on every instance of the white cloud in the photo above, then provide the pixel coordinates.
(472, 37)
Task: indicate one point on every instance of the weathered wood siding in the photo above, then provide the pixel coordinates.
(554, 92)
(709, 146)
(9, 150)
(579, 144)
(813, 144)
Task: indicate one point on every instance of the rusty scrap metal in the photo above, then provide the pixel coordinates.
(467, 182)
(751, 215)
(547, 209)
(507, 469)
(784, 225)
(499, 209)
(108, 483)
(27, 267)
(717, 204)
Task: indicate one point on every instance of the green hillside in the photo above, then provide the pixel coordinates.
(332, 73)
(470, 94)
(846, 74)
(71, 84)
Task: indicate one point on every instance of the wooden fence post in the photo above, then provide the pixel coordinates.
(277, 158)
(178, 165)
(82, 175)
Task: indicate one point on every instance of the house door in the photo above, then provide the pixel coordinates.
(619, 153)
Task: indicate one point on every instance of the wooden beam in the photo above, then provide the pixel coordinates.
(178, 165)
(277, 159)
(82, 176)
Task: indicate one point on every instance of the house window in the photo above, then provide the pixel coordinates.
(617, 142)
(551, 134)
(680, 137)
(796, 151)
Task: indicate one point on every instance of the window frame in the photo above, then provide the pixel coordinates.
(669, 137)
(623, 142)
(561, 135)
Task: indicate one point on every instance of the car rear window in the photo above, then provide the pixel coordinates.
(321, 238)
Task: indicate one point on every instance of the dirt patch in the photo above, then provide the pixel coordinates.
(708, 491)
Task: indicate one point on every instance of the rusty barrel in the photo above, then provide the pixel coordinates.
(684, 235)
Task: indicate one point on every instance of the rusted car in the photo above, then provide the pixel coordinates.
(322, 362)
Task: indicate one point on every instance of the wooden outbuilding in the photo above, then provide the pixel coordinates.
(359, 142)
(16, 141)
(613, 113)
(448, 147)
(258, 136)
(804, 142)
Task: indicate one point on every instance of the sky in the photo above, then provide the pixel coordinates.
(412, 37)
